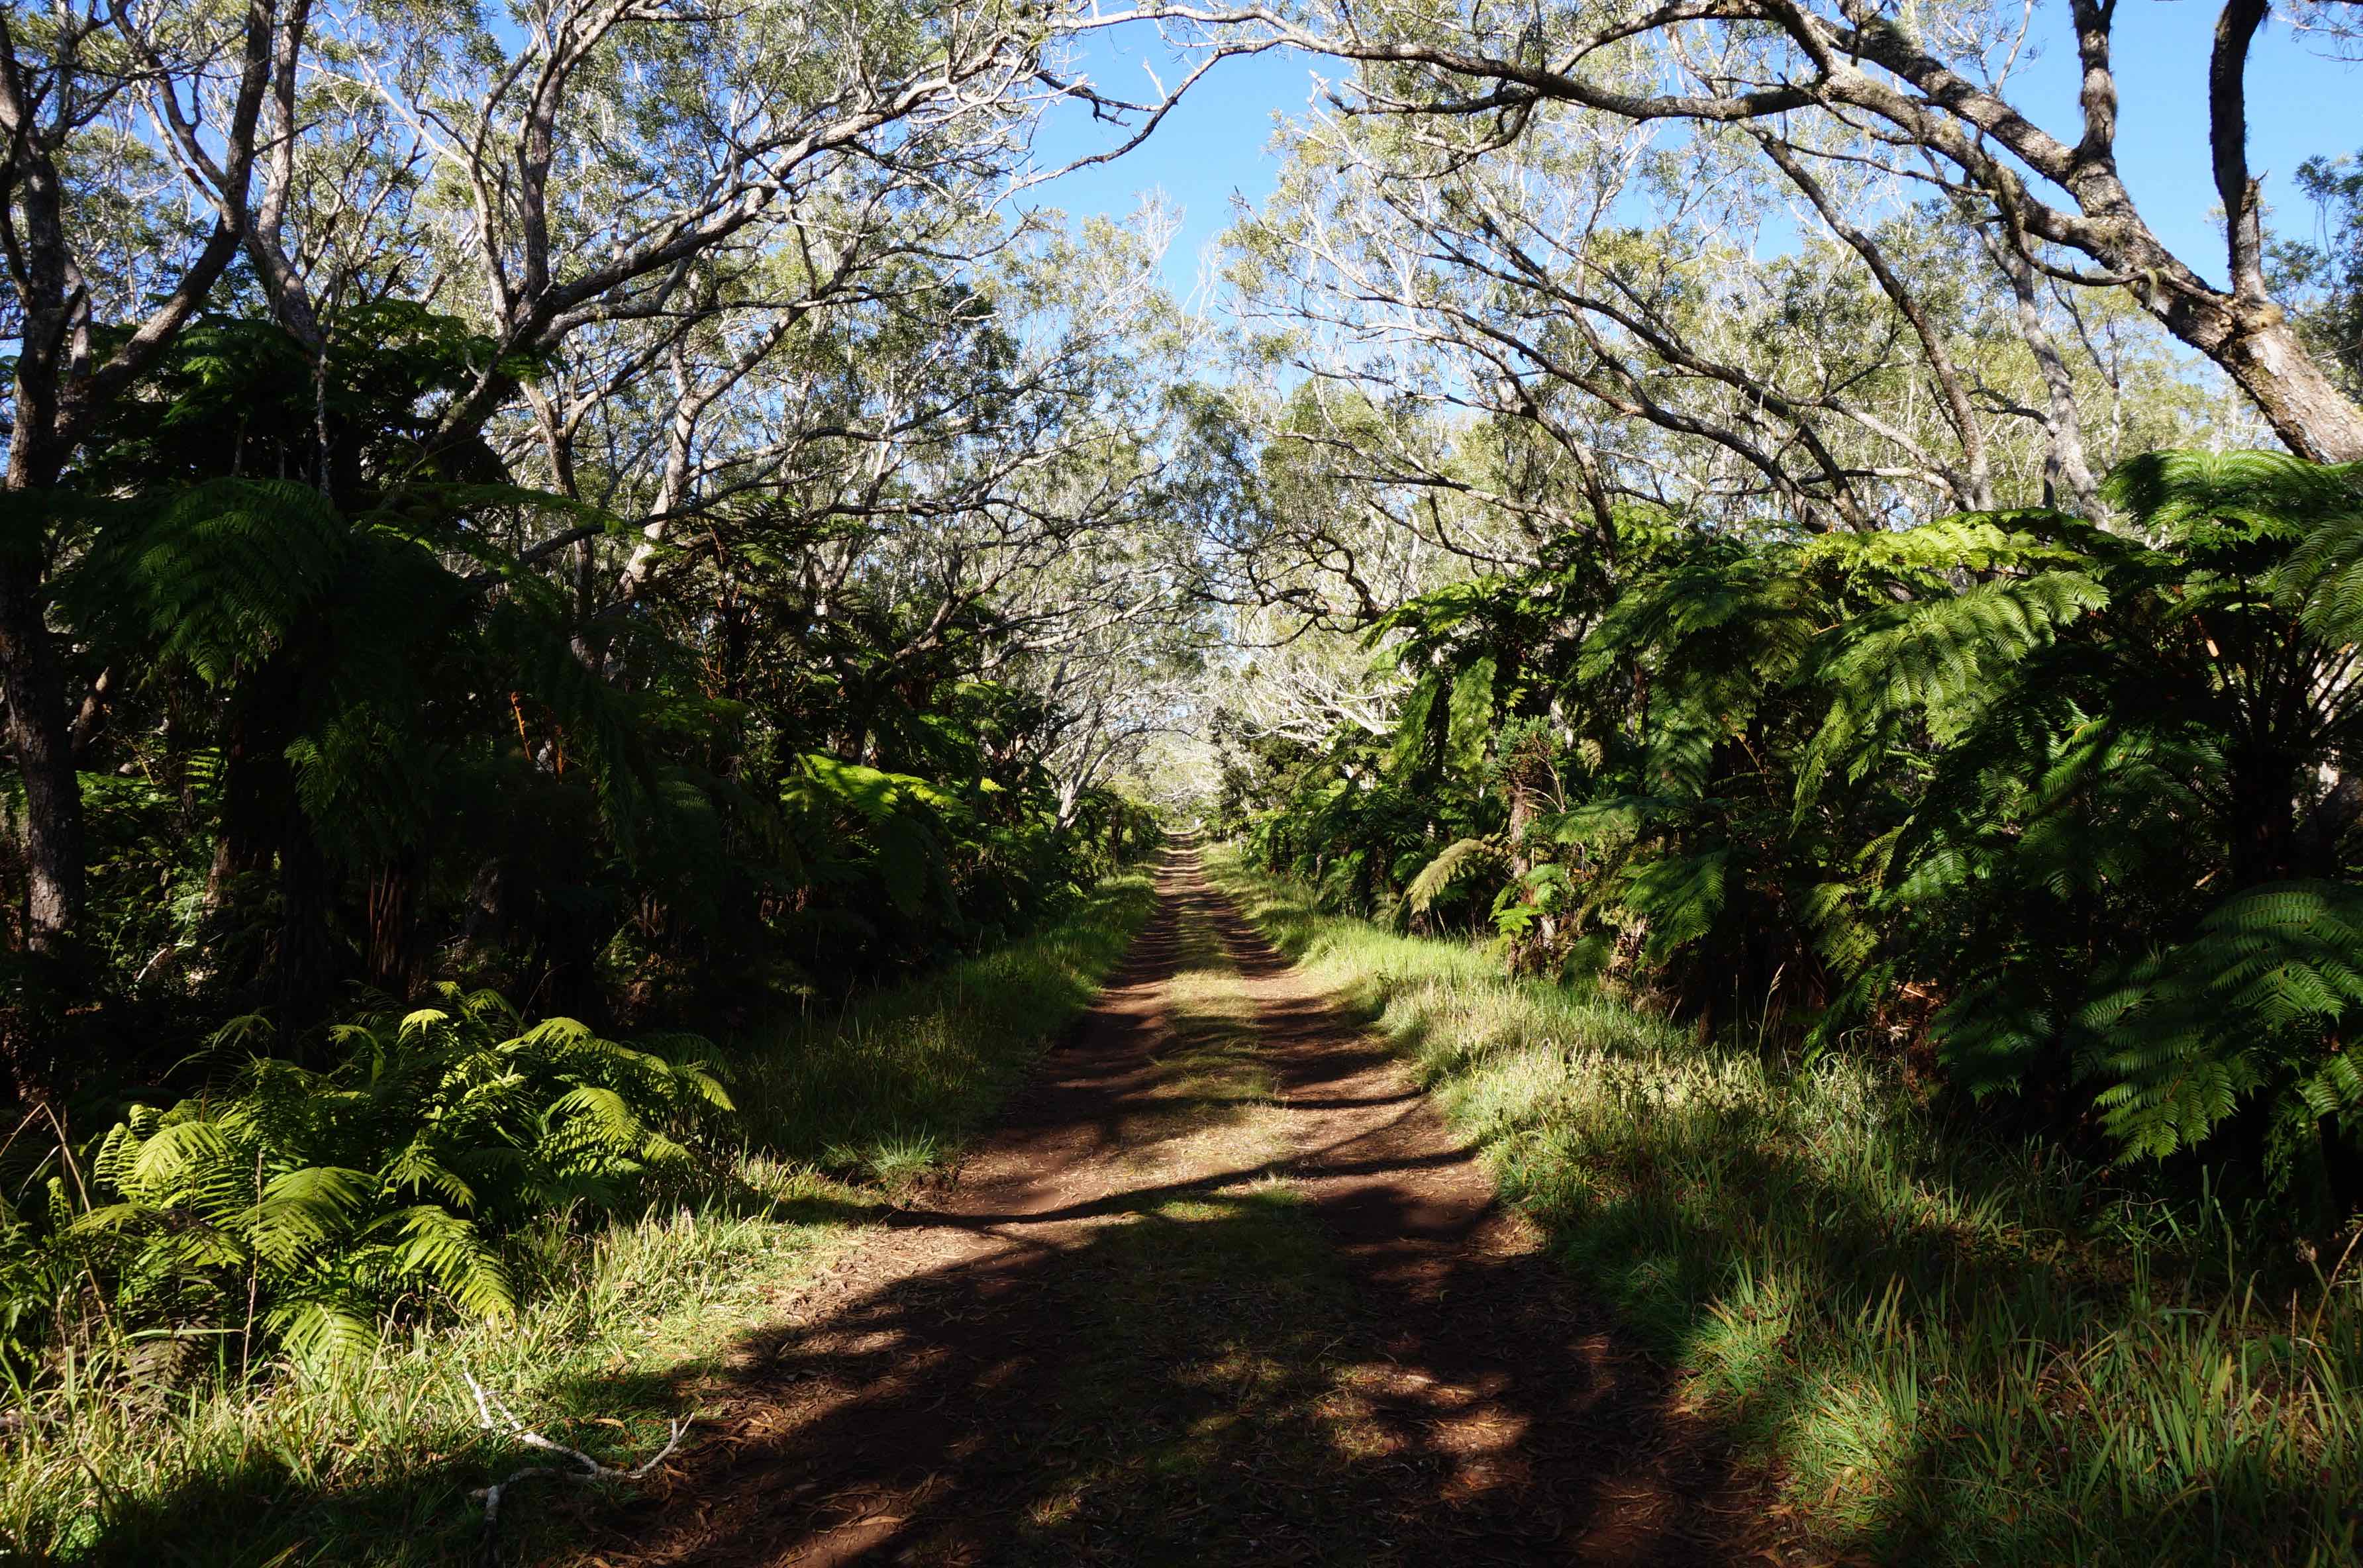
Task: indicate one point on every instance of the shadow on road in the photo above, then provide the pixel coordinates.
(1071, 1358)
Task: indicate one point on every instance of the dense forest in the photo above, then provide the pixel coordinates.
(557, 553)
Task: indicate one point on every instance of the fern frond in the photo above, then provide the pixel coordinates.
(230, 567)
(1942, 662)
(2251, 1002)
(448, 1250)
(2208, 503)
(320, 1331)
(1461, 858)
(304, 1210)
(1680, 896)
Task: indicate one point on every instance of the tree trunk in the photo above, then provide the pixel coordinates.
(303, 949)
(42, 741)
(2265, 840)
(257, 787)
(394, 950)
(2261, 351)
(2067, 475)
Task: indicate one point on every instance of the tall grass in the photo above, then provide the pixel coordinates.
(155, 1452)
(1944, 1346)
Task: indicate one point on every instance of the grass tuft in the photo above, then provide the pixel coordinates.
(884, 1089)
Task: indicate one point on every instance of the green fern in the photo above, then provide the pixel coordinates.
(231, 568)
(395, 1176)
(2217, 504)
(2254, 1003)
(2078, 801)
(1458, 860)
(1938, 663)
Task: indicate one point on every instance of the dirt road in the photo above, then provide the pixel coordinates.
(1222, 1289)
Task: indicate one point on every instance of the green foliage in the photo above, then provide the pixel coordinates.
(2254, 1001)
(1462, 857)
(882, 831)
(304, 1206)
(371, 1460)
(2075, 807)
(350, 727)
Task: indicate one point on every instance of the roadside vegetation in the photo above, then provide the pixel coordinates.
(2058, 811)
(203, 1441)
(1838, 751)
(1948, 1343)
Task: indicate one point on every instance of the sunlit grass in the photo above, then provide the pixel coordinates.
(1946, 1347)
(882, 1088)
(374, 1464)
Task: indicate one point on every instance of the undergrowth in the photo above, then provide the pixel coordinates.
(155, 1449)
(1944, 1346)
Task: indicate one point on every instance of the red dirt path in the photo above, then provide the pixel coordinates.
(1055, 1363)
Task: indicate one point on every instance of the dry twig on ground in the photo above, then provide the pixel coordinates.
(579, 1465)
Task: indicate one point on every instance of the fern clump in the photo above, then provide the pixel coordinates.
(307, 1207)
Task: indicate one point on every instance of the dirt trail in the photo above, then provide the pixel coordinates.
(1224, 1289)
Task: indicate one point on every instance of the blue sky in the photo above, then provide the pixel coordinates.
(2298, 103)
(1210, 147)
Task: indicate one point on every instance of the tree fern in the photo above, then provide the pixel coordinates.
(901, 845)
(1937, 663)
(2081, 801)
(231, 569)
(2213, 505)
(1679, 897)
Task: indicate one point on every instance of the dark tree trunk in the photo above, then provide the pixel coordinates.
(304, 967)
(394, 959)
(61, 386)
(34, 684)
(2264, 839)
(263, 829)
(258, 788)
(569, 984)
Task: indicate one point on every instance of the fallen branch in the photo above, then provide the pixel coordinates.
(580, 1466)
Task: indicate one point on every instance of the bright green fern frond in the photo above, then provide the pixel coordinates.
(321, 1331)
(1680, 896)
(602, 1113)
(2212, 503)
(417, 1168)
(2322, 581)
(2255, 1000)
(442, 1247)
(1462, 858)
(302, 1210)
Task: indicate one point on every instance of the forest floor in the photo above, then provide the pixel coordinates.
(1222, 1288)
